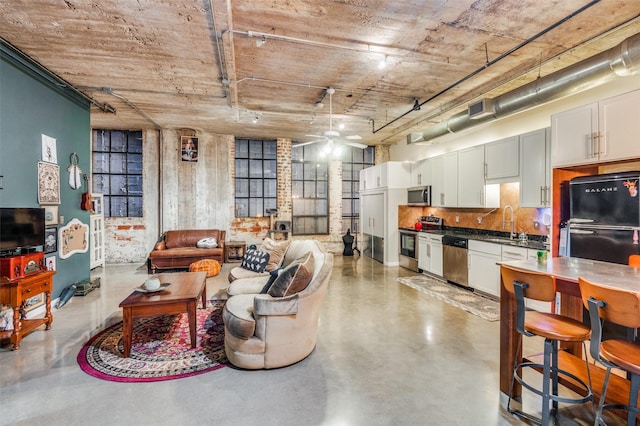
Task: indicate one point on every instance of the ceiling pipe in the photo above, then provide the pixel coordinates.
(619, 61)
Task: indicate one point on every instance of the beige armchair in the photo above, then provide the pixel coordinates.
(262, 331)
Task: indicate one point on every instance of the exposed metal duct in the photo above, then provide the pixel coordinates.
(619, 61)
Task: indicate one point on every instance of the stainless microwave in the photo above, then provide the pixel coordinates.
(419, 196)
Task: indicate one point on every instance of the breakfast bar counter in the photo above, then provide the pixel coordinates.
(566, 270)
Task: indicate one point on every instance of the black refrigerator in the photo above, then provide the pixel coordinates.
(605, 217)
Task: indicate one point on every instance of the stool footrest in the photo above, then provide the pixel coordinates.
(565, 374)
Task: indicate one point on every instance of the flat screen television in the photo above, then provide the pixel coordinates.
(21, 229)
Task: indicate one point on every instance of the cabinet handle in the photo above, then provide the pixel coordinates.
(594, 145)
(510, 253)
(542, 195)
(442, 198)
(419, 178)
(28, 290)
(602, 146)
(547, 198)
(486, 170)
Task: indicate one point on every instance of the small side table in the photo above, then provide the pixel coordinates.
(234, 251)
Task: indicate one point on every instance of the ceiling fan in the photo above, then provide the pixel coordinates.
(332, 137)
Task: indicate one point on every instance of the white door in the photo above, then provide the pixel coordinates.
(619, 121)
(535, 178)
(572, 136)
(471, 177)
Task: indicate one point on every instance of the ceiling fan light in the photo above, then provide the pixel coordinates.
(383, 63)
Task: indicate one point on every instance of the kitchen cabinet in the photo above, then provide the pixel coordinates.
(379, 224)
(502, 159)
(435, 253)
(391, 174)
(96, 241)
(472, 190)
(535, 168)
(424, 261)
(599, 132)
(416, 173)
(484, 271)
(445, 180)
(430, 253)
(372, 214)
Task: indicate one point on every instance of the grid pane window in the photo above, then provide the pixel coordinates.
(256, 178)
(310, 191)
(353, 161)
(117, 171)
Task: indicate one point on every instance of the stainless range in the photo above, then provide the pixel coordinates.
(409, 241)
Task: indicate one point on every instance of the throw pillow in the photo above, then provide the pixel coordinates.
(207, 243)
(272, 277)
(277, 250)
(294, 278)
(255, 260)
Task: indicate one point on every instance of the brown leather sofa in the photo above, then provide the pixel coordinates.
(177, 249)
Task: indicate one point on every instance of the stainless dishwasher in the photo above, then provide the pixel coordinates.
(455, 264)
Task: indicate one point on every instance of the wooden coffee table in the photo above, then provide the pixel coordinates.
(180, 295)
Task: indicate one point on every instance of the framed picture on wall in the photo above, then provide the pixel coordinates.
(50, 263)
(48, 183)
(51, 239)
(50, 215)
(189, 148)
(49, 152)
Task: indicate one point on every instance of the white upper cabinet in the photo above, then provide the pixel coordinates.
(619, 121)
(417, 173)
(598, 132)
(471, 177)
(472, 188)
(572, 136)
(502, 160)
(535, 169)
(445, 180)
(392, 174)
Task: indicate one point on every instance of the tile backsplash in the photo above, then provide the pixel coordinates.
(530, 220)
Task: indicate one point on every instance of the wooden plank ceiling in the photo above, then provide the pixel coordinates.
(215, 65)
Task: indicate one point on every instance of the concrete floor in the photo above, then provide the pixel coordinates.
(386, 355)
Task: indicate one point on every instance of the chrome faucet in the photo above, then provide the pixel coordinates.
(512, 233)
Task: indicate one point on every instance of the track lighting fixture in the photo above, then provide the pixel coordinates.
(255, 119)
(261, 41)
(416, 104)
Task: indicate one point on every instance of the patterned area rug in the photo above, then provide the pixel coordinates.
(161, 348)
(464, 299)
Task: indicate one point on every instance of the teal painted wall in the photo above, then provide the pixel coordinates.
(32, 104)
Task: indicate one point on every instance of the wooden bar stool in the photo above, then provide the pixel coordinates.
(554, 328)
(623, 308)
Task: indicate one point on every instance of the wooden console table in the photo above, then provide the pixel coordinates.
(17, 291)
(566, 270)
